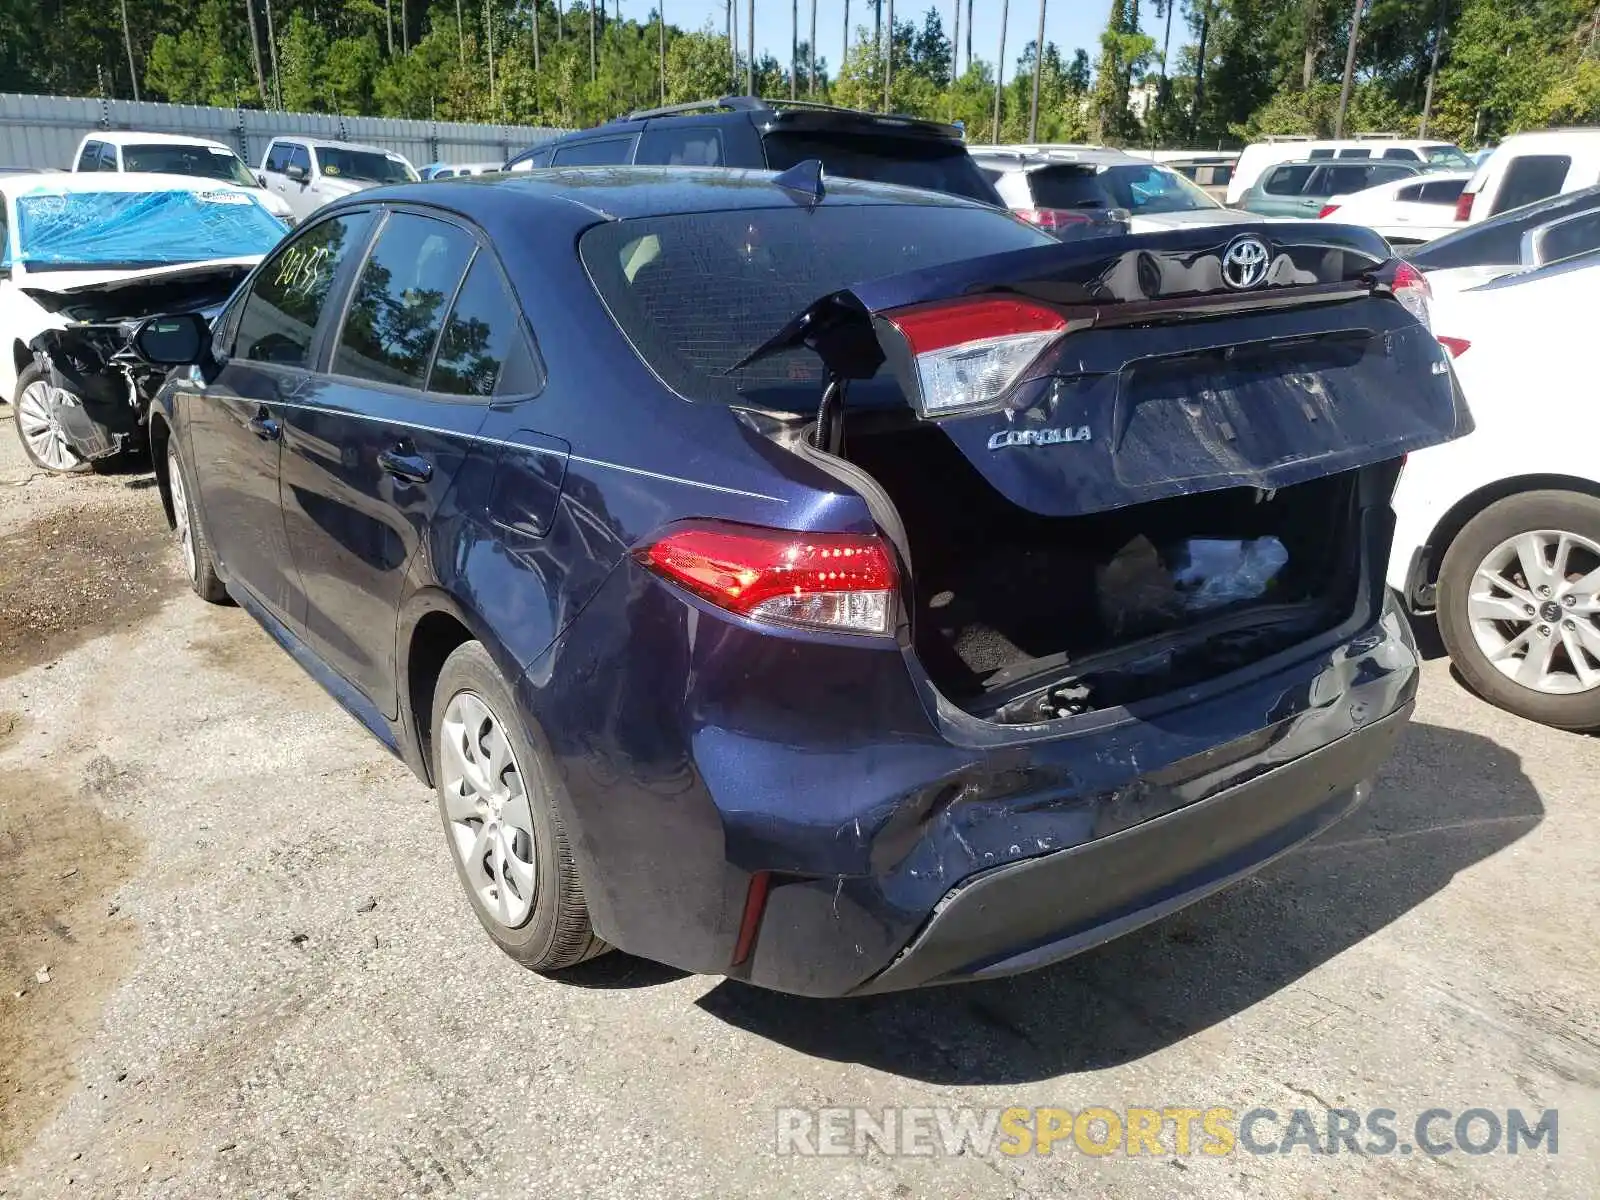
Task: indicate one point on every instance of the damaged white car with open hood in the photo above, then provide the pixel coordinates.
(85, 258)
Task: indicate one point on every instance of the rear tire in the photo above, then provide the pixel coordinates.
(42, 440)
(1519, 606)
(497, 794)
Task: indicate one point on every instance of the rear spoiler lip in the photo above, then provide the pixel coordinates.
(839, 326)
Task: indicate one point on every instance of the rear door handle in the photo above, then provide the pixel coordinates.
(403, 462)
(264, 427)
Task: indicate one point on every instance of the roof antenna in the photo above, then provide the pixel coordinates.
(803, 181)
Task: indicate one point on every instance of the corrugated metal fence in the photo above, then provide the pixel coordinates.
(44, 131)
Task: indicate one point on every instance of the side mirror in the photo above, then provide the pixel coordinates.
(295, 172)
(262, 179)
(172, 341)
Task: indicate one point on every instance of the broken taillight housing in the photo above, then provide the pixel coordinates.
(843, 582)
(1410, 287)
(968, 353)
(1455, 346)
(1327, 211)
(1464, 205)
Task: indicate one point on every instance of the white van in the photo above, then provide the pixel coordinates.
(1528, 167)
(1258, 156)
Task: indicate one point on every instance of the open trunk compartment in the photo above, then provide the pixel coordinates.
(1020, 618)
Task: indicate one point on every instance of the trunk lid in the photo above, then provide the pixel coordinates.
(1237, 356)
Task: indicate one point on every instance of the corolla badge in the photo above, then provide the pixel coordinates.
(1245, 262)
(1038, 437)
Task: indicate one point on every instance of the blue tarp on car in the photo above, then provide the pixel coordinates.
(122, 229)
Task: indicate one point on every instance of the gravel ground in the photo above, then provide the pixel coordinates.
(262, 981)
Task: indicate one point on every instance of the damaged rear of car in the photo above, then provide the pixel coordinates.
(88, 257)
(1085, 617)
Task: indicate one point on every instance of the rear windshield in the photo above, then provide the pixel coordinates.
(207, 162)
(1138, 189)
(695, 293)
(910, 162)
(369, 166)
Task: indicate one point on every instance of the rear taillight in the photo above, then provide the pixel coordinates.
(1455, 346)
(1464, 206)
(1411, 288)
(830, 581)
(1053, 218)
(969, 353)
(1327, 211)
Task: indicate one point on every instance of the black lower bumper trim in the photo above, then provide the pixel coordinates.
(1025, 915)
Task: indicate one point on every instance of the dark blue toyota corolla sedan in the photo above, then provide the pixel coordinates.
(833, 586)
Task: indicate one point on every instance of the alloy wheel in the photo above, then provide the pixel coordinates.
(1532, 608)
(36, 418)
(489, 816)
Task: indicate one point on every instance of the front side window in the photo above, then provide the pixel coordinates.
(398, 305)
(278, 320)
(1448, 157)
(206, 162)
(300, 157)
(5, 237)
(278, 157)
(478, 336)
(108, 157)
(367, 166)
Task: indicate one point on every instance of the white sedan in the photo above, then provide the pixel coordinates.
(82, 256)
(1499, 531)
(1407, 211)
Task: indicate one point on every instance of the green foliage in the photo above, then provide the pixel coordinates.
(1236, 69)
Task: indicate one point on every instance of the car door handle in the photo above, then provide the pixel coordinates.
(405, 463)
(264, 427)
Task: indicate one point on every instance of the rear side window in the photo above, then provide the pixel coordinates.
(398, 305)
(1387, 174)
(1402, 154)
(938, 166)
(1443, 191)
(278, 321)
(695, 293)
(1363, 152)
(89, 159)
(1412, 194)
(681, 146)
(1339, 181)
(1288, 181)
(599, 152)
(1531, 177)
(478, 336)
(1320, 154)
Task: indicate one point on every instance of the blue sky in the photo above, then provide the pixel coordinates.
(1068, 23)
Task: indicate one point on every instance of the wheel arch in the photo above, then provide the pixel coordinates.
(1454, 520)
(432, 624)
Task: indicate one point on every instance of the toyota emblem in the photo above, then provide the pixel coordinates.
(1244, 262)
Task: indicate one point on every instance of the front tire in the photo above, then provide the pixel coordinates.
(497, 799)
(1519, 606)
(38, 429)
(198, 562)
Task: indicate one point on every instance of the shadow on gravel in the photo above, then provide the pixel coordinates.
(1448, 800)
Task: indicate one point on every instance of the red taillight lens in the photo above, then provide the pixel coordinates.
(1327, 211)
(1053, 218)
(1411, 288)
(968, 353)
(834, 581)
(1456, 346)
(1464, 206)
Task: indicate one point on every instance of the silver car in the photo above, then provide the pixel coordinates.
(309, 172)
